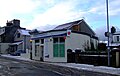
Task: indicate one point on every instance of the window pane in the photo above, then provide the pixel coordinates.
(36, 41)
(42, 41)
(62, 39)
(18, 35)
(55, 40)
(75, 28)
(117, 38)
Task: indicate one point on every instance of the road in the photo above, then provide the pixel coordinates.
(17, 68)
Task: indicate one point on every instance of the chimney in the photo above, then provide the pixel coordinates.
(16, 22)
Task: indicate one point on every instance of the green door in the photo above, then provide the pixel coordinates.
(55, 50)
(62, 50)
(59, 50)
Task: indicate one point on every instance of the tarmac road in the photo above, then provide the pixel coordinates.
(16, 68)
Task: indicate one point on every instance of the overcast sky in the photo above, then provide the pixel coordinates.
(46, 14)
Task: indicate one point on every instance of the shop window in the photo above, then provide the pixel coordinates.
(36, 41)
(55, 40)
(62, 39)
(117, 38)
(42, 41)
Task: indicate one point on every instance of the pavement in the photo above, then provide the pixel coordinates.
(75, 67)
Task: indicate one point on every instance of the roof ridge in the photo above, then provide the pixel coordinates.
(68, 23)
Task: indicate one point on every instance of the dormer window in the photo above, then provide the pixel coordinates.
(18, 35)
(76, 28)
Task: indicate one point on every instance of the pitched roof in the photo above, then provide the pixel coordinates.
(67, 25)
(23, 32)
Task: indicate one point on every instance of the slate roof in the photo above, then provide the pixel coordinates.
(67, 25)
(23, 32)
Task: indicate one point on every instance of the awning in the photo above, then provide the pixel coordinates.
(16, 43)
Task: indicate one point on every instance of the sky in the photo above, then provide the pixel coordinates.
(47, 14)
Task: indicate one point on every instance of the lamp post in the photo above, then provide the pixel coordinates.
(108, 48)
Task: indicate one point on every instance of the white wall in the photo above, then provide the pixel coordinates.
(77, 41)
(115, 38)
(26, 55)
(95, 42)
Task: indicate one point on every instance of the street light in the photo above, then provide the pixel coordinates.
(108, 48)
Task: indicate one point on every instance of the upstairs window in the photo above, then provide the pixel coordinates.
(117, 38)
(76, 28)
(18, 35)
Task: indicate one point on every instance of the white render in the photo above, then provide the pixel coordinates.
(95, 42)
(77, 41)
(115, 39)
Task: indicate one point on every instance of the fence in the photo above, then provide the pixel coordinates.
(94, 58)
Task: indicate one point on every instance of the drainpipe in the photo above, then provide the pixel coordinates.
(24, 43)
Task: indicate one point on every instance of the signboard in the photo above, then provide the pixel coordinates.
(68, 32)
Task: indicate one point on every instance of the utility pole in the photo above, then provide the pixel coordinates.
(108, 48)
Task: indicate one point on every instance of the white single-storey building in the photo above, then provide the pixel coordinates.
(52, 46)
(115, 40)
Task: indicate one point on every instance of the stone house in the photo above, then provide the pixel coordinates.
(7, 34)
(21, 41)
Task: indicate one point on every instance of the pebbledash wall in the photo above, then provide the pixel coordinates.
(73, 42)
